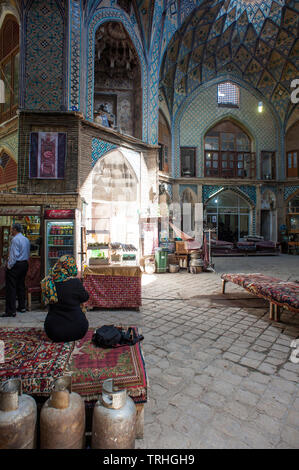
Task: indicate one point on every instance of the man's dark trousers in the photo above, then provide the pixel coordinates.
(15, 287)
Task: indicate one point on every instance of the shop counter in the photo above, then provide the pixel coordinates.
(113, 286)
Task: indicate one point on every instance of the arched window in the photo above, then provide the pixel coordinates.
(228, 152)
(9, 66)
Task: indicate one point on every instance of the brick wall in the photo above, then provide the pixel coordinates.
(48, 122)
(60, 201)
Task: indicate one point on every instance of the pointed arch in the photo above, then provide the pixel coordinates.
(117, 15)
(233, 189)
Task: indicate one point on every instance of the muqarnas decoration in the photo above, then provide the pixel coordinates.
(47, 155)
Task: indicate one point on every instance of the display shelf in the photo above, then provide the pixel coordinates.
(59, 246)
(55, 235)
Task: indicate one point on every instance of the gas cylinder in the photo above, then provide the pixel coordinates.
(114, 419)
(18, 416)
(62, 418)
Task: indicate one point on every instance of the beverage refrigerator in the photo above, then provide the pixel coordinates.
(59, 236)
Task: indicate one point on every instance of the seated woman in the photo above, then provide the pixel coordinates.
(64, 293)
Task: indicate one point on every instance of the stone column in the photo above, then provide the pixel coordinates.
(258, 210)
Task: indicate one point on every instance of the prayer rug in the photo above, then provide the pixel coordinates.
(31, 356)
(90, 365)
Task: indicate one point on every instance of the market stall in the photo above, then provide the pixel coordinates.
(30, 219)
(113, 286)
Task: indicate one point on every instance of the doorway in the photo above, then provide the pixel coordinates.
(230, 215)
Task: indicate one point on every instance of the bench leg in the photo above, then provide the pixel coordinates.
(271, 311)
(223, 285)
(274, 312)
(140, 421)
(277, 313)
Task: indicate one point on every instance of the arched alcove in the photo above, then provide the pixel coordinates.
(268, 215)
(188, 201)
(230, 213)
(164, 141)
(117, 80)
(9, 65)
(112, 215)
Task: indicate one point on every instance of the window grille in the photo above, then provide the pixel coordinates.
(228, 94)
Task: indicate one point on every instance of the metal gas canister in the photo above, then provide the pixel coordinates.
(18, 417)
(62, 418)
(114, 419)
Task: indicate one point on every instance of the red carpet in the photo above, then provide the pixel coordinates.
(90, 366)
(31, 356)
(34, 358)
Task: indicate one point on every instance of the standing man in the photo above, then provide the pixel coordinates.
(17, 267)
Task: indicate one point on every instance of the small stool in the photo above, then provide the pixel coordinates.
(29, 291)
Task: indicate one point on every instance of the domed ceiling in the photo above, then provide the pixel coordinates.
(256, 41)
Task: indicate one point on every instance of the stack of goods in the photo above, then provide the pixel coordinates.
(246, 246)
(221, 247)
(173, 263)
(267, 246)
(196, 262)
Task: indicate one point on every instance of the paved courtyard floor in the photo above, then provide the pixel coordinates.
(219, 374)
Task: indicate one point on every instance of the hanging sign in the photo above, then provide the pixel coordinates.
(59, 214)
(19, 210)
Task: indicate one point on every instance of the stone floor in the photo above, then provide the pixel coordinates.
(219, 375)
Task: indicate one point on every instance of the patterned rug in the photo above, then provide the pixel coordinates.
(91, 365)
(278, 291)
(34, 358)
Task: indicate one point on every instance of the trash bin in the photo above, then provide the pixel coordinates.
(161, 260)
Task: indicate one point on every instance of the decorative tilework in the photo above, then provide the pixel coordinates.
(237, 37)
(100, 148)
(99, 17)
(209, 191)
(289, 190)
(75, 54)
(200, 112)
(154, 77)
(44, 56)
(11, 143)
(249, 192)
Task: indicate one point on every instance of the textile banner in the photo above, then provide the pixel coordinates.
(47, 155)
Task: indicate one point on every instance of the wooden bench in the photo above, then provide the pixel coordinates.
(279, 293)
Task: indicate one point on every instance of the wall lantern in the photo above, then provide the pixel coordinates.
(2, 92)
(260, 107)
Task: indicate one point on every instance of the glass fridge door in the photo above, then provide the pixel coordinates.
(59, 241)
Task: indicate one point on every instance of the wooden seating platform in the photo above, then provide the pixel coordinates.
(279, 293)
